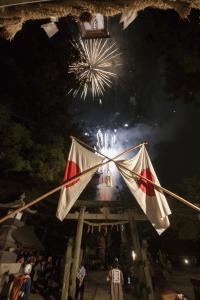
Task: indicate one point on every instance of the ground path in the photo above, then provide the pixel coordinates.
(96, 287)
(180, 281)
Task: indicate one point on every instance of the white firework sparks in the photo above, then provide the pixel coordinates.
(97, 57)
(106, 144)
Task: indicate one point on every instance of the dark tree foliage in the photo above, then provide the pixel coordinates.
(174, 44)
(35, 121)
(185, 220)
(182, 61)
(178, 45)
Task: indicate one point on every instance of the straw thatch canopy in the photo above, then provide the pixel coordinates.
(12, 18)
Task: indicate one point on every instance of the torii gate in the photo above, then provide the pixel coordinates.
(83, 215)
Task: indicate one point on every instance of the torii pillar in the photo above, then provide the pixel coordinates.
(68, 261)
(77, 250)
(142, 270)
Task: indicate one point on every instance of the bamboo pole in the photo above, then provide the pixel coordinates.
(7, 3)
(162, 189)
(158, 187)
(39, 199)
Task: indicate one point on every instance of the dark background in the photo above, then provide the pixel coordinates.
(157, 93)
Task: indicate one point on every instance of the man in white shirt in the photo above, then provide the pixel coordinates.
(80, 282)
(116, 282)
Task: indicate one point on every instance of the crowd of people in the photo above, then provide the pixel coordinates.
(37, 274)
(43, 275)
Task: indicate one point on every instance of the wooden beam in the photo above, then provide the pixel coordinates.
(49, 203)
(100, 203)
(6, 3)
(107, 216)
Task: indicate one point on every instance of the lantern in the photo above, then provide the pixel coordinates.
(93, 26)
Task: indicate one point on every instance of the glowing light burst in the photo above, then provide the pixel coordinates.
(93, 69)
(106, 144)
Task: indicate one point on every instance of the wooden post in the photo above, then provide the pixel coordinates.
(134, 233)
(151, 295)
(77, 250)
(138, 264)
(68, 261)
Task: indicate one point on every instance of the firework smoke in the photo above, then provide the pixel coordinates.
(111, 142)
(107, 145)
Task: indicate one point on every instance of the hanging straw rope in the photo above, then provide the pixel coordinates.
(105, 225)
(158, 187)
(44, 196)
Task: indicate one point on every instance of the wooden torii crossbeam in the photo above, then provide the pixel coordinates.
(106, 213)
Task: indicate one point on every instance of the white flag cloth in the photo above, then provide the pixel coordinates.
(152, 202)
(79, 160)
(128, 17)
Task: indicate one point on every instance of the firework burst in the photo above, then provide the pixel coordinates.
(106, 144)
(92, 70)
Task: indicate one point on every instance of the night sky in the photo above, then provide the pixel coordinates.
(157, 103)
(140, 96)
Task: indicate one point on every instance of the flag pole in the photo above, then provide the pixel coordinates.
(39, 199)
(158, 187)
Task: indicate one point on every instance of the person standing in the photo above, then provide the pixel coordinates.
(80, 279)
(22, 285)
(116, 282)
(36, 273)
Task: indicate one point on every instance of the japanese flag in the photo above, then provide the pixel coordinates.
(152, 201)
(79, 160)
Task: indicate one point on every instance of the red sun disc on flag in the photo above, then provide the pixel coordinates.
(72, 169)
(146, 187)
